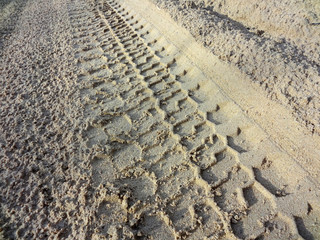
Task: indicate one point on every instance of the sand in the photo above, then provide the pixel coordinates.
(276, 44)
(112, 127)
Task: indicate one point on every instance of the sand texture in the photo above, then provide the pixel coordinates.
(275, 43)
(9, 13)
(111, 129)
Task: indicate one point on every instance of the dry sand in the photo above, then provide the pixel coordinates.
(116, 124)
(276, 43)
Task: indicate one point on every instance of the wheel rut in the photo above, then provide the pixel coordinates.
(180, 159)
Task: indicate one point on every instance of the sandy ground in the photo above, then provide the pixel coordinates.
(43, 184)
(275, 43)
(110, 130)
(9, 12)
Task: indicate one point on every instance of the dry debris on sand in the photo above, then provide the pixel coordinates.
(109, 129)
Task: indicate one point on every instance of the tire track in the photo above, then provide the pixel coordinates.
(180, 165)
(147, 70)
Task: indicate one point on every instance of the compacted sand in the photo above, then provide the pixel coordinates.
(116, 122)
